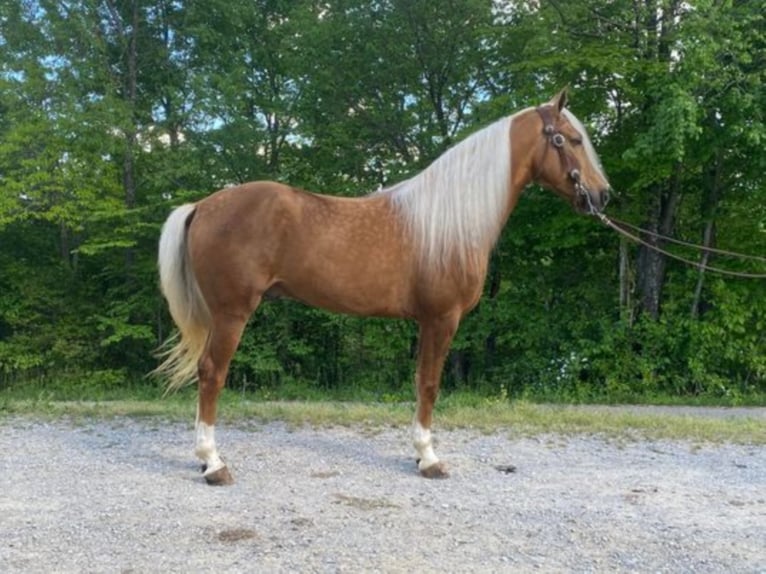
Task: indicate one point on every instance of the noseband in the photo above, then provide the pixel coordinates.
(568, 162)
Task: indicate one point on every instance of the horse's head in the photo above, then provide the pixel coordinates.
(565, 160)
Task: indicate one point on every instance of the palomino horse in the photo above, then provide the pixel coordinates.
(417, 250)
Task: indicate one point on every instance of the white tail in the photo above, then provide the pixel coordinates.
(181, 352)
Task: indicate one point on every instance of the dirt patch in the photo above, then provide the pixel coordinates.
(236, 534)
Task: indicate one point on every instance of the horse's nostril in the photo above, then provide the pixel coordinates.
(604, 198)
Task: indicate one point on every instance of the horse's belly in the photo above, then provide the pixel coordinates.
(366, 296)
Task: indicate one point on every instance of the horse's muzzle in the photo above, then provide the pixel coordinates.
(588, 201)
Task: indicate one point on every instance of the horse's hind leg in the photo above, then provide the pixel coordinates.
(213, 368)
(435, 339)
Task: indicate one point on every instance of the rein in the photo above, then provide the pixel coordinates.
(622, 227)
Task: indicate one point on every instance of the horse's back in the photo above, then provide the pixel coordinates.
(233, 206)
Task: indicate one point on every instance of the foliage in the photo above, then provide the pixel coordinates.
(112, 112)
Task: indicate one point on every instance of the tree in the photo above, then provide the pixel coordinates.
(113, 111)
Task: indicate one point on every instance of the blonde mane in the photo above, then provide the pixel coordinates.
(455, 207)
(590, 151)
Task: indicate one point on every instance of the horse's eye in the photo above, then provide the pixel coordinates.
(576, 141)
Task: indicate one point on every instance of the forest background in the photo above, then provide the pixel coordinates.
(114, 111)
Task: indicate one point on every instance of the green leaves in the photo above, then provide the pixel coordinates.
(113, 112)
(675, 122)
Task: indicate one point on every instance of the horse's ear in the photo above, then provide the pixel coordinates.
(560, 100)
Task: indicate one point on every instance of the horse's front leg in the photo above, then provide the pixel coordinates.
(213, 368)
(434, 343)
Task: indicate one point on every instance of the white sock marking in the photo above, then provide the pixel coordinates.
(206, 449)
(423, 445)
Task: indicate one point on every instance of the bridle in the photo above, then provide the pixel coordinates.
(568, 162)
(572, 168)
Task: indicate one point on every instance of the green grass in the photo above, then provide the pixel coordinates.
(88, 389)
(485, 415)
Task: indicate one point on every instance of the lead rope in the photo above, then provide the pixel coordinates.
(625, 224)
(636, 239)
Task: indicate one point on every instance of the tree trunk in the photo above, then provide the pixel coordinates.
(626, 287)
(708, 240)
(495, 280)
(131, 84)
(709, 207)
(658, 21)
(64, 249)
(651, 264)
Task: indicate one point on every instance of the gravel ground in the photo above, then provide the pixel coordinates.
(125, 496)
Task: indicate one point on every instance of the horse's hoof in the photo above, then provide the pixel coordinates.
(220, 477)
(436, 470)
